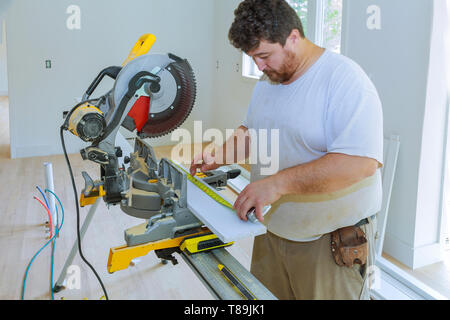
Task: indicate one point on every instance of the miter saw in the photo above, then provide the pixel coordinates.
(153, 94)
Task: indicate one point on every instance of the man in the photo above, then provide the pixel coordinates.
(328, 190)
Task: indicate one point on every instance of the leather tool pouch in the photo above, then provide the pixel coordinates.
(349, 246)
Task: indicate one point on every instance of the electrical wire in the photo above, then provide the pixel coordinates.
(48, 206)
(43, 195)
(40, 250)
(49, 216)
(51, 268)
(54, 242)
(62, 208)
(61, 132)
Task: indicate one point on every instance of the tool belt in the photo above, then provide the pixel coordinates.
(349, 245)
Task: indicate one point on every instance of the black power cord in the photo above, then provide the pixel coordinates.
(78, 212)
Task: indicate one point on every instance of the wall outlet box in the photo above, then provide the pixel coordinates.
(48, 64)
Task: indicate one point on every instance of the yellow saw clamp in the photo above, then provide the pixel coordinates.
(201, 243)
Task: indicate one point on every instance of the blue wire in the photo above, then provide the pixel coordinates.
(62, 209)
(53, 258)
(31, 262)
(39, 251)
(53, 243)
(45, 198)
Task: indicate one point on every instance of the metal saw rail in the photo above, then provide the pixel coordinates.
(205, 266)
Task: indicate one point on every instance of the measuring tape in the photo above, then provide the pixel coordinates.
(251, 215)
(205, 188)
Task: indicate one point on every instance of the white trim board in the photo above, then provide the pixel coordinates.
(417, 257)
(391, 147)
(219, 219)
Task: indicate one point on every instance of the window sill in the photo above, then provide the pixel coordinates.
(397, 284)
(252, 80)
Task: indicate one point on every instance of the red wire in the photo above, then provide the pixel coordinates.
(49, 216)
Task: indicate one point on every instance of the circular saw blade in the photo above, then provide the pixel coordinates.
(174, 114)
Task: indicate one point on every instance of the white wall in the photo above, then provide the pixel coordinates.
(232, 92)
(37, 32)
(403, 62)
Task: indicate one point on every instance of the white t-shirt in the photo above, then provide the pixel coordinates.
(333, 108)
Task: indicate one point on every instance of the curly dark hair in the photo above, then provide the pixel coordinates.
(256, 20)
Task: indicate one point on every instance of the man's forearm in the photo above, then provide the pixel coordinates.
(235, 149)
(330, 173)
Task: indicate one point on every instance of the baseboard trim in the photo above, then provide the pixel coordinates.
(413, 258)
(399, 250)
(426, 255)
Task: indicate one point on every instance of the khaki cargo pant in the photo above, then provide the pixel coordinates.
(307, 270)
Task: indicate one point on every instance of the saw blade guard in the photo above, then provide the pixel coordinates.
(159, 109)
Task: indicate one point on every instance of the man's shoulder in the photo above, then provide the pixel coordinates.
(345, 72)
(341, 65)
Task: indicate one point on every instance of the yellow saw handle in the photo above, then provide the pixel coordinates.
(142, 46)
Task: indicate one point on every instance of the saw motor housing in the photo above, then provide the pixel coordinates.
(87, 122)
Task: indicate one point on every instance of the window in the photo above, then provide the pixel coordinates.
(332, 25)
(301, 7)
(249, 68)
(322, 22)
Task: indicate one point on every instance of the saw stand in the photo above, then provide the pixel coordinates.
(204, 265)
(59, 283)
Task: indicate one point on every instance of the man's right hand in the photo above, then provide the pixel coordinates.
(204, 161)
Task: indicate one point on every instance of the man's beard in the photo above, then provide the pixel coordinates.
(286, 70)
